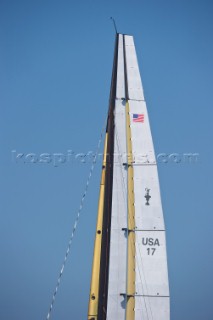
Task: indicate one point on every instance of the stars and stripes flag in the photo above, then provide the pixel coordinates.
(138, 117)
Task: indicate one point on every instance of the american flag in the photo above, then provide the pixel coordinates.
(138, 117)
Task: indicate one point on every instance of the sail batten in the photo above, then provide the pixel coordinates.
(133, 277)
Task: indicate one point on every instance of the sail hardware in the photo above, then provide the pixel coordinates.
(147, 197)
(128, 230)
(125, 295)
(129, 164)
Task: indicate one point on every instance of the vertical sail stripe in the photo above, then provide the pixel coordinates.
(130, 292)
(130, 289)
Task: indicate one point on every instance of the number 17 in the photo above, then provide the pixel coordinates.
(151, 251)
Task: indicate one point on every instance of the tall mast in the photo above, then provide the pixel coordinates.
(129, 274)
(100, 270)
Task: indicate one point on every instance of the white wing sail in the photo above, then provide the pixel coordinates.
(151, 279)
(130, 253)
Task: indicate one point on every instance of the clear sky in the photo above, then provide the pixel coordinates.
(55, 72)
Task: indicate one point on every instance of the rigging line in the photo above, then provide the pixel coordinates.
(132, 244)
(76, 222)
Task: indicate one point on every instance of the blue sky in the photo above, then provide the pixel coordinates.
(56, 62)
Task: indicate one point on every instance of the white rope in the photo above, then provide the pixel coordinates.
(75, 224)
